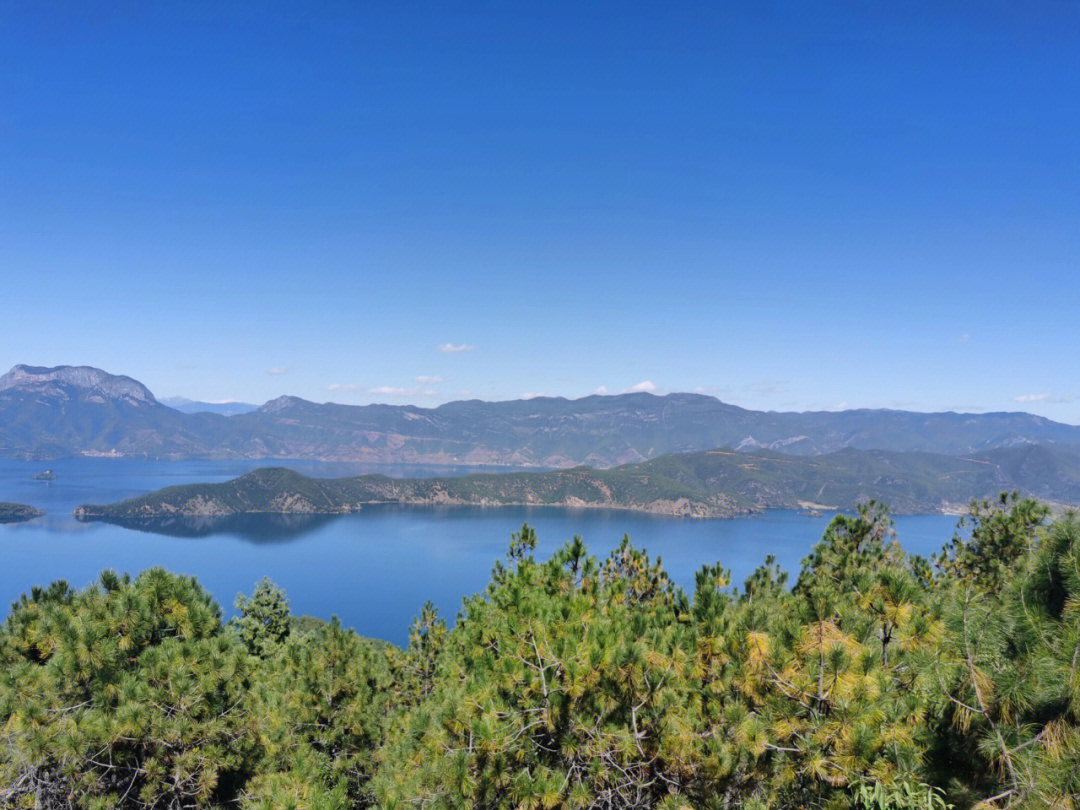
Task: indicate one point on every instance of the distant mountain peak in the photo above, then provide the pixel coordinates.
(228, 407)
(281, 404)
(94, 381)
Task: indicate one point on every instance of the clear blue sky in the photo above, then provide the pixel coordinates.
(790, 205)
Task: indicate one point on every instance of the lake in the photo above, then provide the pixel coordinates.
(373, 569)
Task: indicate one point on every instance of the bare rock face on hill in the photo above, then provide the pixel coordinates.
(78, 410)
(76, 382)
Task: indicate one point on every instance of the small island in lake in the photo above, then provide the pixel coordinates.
(48, 475)
(18, 512)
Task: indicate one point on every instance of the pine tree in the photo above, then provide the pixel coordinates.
(126, 694)
(263, 619)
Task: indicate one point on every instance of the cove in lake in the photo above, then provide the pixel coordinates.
(373, 569)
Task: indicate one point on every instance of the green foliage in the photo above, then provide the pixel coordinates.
(878, 796)
(877, 682)
(263, 619)
(1001, 532)
(426, 638)
(1009, 667)
(318, 707)
(124, 694)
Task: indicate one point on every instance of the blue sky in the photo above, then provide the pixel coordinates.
(791, 206)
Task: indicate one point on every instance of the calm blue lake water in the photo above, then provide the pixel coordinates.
(374, 569)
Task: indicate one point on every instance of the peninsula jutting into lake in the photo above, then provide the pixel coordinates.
(18, 512)
(719, 483)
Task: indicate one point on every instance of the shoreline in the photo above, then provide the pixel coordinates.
(81, 515)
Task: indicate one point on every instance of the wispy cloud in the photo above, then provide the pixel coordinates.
(1044, 397)
(600, 391)
(455, 348)
(276, 370)
(964, 338)
(767, 388)
(643, 387)
(401, 391)
(342, 387)
(185, 366)
(532, 395)
(427, 379)
(895, 404)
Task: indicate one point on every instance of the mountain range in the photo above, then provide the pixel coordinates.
(716, 483)
(78, 410)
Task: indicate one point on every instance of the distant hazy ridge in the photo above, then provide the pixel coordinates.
(68, 410)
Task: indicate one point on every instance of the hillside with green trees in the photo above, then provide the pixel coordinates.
(870, 680)
(18, 512)
(717, 483)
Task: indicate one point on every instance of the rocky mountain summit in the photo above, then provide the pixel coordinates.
(76, 382)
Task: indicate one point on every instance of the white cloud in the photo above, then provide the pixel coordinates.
(427, 379)
(276, 370)
(601, 391)
(964, 338)
(455, 348)
(643, 387)
(532, 395)
(399, 391)
(766, 388)
(1043, 398)
(346, 387)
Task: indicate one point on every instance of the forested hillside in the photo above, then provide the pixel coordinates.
(716, 483)
(17, 512)
(871, 679)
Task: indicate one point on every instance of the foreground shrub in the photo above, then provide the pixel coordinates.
(124, 694)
